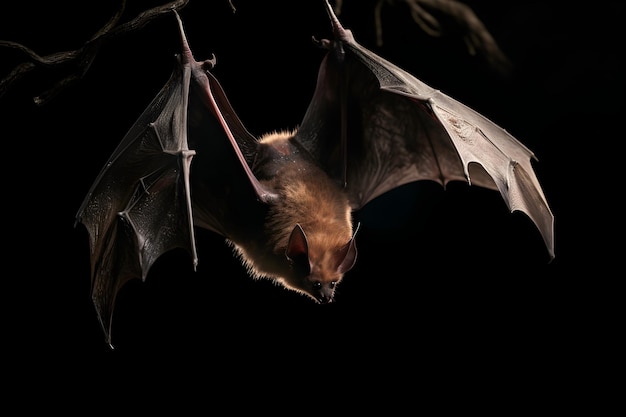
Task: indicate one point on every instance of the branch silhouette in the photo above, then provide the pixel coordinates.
(83, 57)
(475, 34)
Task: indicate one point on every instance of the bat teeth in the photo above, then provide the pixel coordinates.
(324, 300)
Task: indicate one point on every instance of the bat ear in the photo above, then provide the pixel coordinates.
(298, 247)
(347, 256)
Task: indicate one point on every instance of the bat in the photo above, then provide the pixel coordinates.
(285, 200)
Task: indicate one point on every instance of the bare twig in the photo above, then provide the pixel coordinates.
(476, 36)
(338, 6)
(83, 57)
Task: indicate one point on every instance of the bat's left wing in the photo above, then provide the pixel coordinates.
(374, 127)
(141, 204)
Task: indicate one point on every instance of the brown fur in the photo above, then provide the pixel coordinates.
(308, 197)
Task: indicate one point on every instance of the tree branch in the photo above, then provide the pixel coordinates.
(476, 36)
(83, 57)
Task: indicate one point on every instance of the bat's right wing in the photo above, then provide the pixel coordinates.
(148, 196)
(373, 127)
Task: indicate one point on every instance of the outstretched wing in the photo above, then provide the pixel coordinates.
(374, 127)
(140, 205)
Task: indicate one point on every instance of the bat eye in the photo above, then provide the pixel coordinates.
(317, 285)
(332, 284)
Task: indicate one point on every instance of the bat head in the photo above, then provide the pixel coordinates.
(317, 267)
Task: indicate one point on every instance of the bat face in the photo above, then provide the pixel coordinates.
(317, 269)
(318, 284)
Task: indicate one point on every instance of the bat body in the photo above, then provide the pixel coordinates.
(303, 198)
(284, 201)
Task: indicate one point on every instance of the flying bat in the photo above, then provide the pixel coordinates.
(285, 200)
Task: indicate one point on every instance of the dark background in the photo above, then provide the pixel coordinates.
(445, 282)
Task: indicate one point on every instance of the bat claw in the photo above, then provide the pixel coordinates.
(209, 64)
(321, 43)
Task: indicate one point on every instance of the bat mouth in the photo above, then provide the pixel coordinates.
(322, 299)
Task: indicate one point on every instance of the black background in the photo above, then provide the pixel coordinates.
(451, 284)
